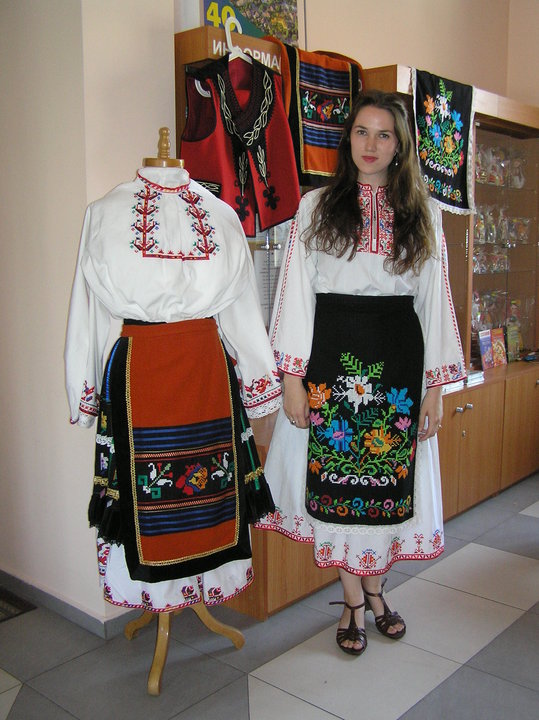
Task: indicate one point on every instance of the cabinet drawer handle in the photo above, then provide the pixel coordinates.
(469, 406)
(537, 382)
(459, 409)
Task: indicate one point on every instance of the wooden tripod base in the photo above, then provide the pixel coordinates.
(163, 632)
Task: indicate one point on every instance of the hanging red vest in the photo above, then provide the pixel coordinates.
(237, 140)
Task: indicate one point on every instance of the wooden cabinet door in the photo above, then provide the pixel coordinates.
(449, 440)
(521, 427)
(481, 443)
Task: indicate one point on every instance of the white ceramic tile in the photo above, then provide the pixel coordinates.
(450, 623)
(7, 699)
(7, 681)
(322, 675)
(489, 573)
(532, 510)
(267, 703)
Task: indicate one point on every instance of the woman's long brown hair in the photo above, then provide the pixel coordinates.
(337, 223)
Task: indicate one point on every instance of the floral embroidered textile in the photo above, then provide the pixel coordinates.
(361, 435)
(444, 118)
(363, 412)
(318, 88)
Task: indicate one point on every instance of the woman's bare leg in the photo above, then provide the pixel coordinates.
(373, 584)
(353, 595)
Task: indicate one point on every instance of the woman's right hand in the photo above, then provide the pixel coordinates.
(295, 403)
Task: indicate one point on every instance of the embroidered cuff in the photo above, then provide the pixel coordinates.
(289, 364)
(259, 393)
(445, 374)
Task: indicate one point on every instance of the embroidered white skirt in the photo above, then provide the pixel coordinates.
(362, 550)
(212, 587)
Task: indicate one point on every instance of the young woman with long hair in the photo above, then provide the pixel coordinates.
(365, 335)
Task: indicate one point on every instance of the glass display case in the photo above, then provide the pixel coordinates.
(504, 242)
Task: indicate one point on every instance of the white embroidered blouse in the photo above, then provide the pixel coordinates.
(163, 249)
(303, 274)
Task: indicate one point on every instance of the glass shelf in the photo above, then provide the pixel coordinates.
(504, 240)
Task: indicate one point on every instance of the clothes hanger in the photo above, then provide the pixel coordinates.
(163, 158)
(234, 50)
(201, 90)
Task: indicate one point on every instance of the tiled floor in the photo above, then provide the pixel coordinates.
(471, 651)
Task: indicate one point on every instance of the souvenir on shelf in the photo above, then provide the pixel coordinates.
(519, 230)
(490, 225)
(516, 172)
(499, 355)
(481, 164)
(502, 230)
(479, 225)
(514, 341)
(497, 166)
(485, 348)
(494, 260)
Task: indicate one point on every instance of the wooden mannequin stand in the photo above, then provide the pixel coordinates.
(163, 633)
(164, 160)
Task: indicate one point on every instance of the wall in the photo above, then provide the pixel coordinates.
(128, 86)
(44, 476)
(464, 40)
(523, 51)
(87, 85)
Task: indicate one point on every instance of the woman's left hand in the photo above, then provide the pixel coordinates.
(430, 414)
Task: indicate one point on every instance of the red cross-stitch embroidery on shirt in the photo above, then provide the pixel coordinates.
(88, 400)
(377, 214)
(146, 225)
(261, 390)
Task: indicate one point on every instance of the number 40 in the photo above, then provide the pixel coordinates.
(212, 14)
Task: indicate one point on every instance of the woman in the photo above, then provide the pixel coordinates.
(365, 334)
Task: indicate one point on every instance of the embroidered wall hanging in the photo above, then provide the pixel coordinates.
(318, 90)
(444, 113)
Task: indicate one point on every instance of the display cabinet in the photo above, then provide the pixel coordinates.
(504, 257)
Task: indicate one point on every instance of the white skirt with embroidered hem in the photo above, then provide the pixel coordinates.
(359, 549)
(212, 588)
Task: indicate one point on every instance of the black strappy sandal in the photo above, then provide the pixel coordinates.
(352, 633)
(388, 619)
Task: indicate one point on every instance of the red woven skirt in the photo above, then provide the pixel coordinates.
(175, 458)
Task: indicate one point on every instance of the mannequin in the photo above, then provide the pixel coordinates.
(132, 628)
(177, 476)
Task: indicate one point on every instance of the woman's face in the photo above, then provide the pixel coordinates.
(373, 144)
